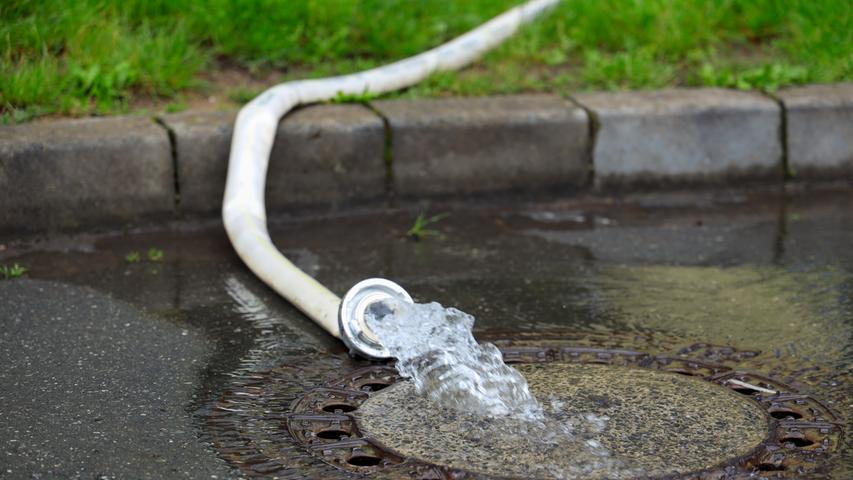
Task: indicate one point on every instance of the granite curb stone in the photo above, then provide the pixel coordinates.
(325, 154)
(73, 173)
(474, 145)
(819, 129)
(684, 135)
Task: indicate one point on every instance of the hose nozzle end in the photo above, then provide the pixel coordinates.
(355, 332)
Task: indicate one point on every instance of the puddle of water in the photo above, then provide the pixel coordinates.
(804, 314)
(773, 275)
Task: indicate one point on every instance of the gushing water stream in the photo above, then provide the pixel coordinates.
(435, 348)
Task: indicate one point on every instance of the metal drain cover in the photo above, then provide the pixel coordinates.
(649, 423)
(702, 411)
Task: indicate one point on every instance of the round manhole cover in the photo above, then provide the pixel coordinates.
(602, 421)
(701, 411)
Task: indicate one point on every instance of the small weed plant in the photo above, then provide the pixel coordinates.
(13, 271)
(153, 255)
(420, 230)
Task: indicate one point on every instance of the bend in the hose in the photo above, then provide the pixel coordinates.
(243, 207)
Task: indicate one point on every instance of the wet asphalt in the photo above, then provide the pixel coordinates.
(95, 388)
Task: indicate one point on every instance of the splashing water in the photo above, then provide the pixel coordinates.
(434, 347)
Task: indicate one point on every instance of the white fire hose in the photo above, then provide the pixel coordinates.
(244, 210)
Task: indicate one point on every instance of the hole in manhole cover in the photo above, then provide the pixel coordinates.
(368, 422)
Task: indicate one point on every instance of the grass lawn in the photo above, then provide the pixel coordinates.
(83, 57)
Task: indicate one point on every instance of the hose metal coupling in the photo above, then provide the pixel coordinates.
(355, 332)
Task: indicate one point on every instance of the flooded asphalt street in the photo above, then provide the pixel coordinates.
(112, 365)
